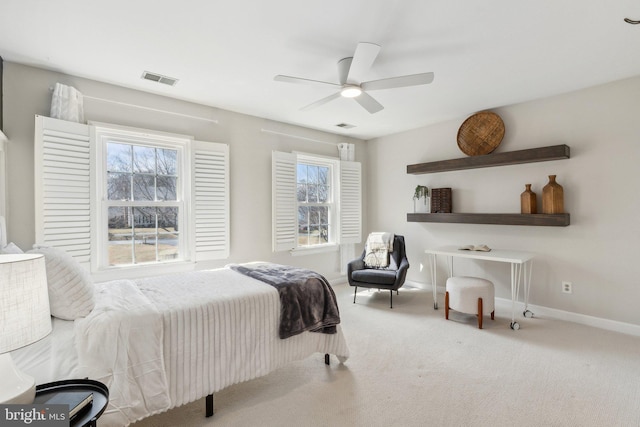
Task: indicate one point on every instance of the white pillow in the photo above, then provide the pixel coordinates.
(11, 248)
(70, 285)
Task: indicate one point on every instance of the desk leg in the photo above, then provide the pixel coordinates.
(528, 268)
(515, 288)
(434, 279)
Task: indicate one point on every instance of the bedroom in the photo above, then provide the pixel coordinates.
(599, 123)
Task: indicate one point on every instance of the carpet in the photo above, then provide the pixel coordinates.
(411, 367)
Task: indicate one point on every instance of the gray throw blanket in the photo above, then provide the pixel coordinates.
(307, 301)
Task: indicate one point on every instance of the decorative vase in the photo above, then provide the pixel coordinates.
(552, 197)
(422, 205)
(528, 203)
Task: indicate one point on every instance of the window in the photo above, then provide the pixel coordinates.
(144, 203)
(114, 196)
(316, 201)
(141, 183)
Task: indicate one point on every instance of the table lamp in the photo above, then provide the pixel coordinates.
(24, 319)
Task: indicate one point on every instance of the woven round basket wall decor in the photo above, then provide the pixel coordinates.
(481, 133)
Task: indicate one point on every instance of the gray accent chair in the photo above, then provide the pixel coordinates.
(391, 277)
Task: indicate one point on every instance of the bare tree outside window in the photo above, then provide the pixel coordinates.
(139, 233)
(313, 189)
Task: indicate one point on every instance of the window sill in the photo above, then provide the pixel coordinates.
(143, 270)
(331, 247)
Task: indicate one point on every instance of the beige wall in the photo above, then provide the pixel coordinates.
(26, 93)
(597, 252)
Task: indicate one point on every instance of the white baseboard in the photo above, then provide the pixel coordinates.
(538, 310)
(583, 319)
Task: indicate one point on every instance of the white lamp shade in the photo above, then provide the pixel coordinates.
(24, 301)
(25, 318)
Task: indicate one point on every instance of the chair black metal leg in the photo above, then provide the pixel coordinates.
(327, 360)
(354, 294)
(391, 299)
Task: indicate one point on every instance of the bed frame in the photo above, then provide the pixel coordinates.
(209, 399)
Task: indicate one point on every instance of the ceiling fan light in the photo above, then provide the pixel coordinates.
(350, 91)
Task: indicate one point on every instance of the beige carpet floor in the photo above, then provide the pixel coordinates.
(411, 367)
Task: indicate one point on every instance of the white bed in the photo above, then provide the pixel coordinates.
(162, 342)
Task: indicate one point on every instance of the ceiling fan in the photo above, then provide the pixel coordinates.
(351, 71)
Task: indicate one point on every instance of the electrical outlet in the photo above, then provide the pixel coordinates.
(566, 287)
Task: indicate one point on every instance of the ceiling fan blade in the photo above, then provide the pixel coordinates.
(402, 81)
(362, 61)
(320, 102)
(300, 80)
(344, 65)
(369, 104)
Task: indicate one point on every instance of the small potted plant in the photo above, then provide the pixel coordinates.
(421, 200)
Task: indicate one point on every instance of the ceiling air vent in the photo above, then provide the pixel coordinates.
(155, 77)
(345, 126)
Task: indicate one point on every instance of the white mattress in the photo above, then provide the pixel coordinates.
(166, 341)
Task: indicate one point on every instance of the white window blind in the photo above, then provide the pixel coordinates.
(350, 203)
(210, 190)
(285, 215)
(63, 186)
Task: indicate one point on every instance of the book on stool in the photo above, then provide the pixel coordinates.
(77, 401)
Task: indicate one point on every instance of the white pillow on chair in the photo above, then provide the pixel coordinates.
(70, 285)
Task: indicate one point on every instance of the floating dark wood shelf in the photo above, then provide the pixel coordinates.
(552, 220)
(531, 155)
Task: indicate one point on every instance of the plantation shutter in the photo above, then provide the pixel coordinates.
(284, 202)
(63, 187)
(210, 200)
(350, 202)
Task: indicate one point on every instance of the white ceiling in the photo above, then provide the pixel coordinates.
(485, 54)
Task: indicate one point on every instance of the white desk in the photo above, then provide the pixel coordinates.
(521, 266)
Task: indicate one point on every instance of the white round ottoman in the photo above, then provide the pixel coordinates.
(471, 295)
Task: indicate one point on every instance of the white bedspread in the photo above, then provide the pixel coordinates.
(165, 341)
(120, 344)
(53, 358)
